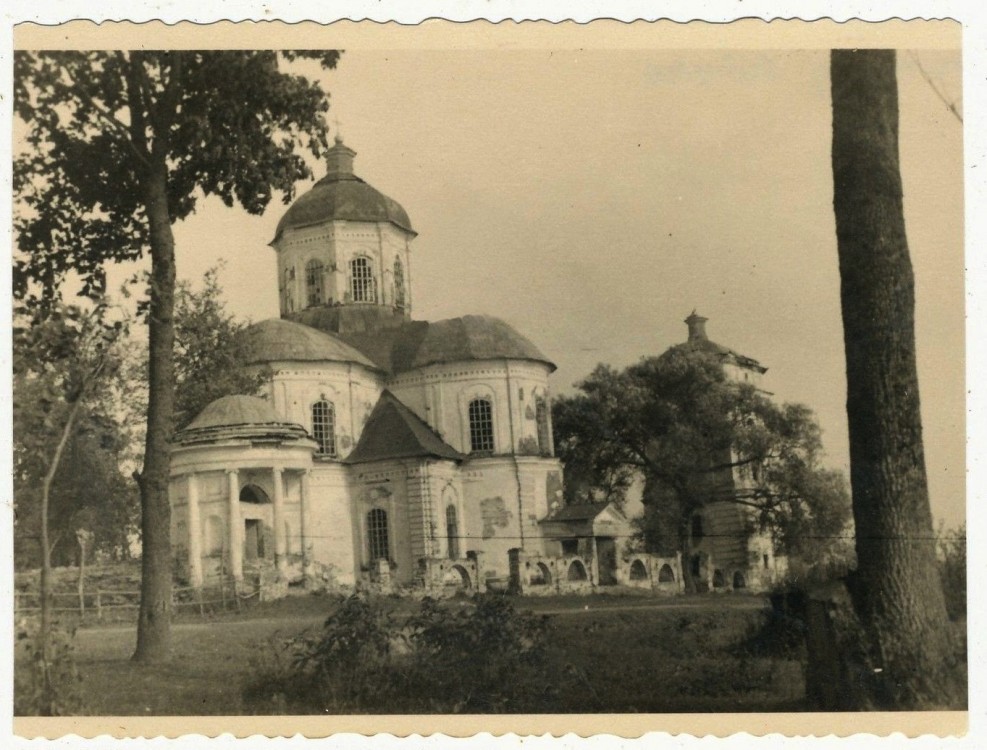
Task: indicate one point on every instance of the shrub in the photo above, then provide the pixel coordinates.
(483, 658)
(478, 657)
(30, 695)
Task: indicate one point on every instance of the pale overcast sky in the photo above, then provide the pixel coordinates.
(593, 199)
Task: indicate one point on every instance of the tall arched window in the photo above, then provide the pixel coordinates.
(697, 528)
(363, 288)
(452, 532)
(541, 419)
(481, 425)
(398, 283)
(377, 542)
(324, 427)
(314, 285)
(288, 289)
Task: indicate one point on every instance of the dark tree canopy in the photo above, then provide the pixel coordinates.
(224, 123)
(695, 437)
(120, 145)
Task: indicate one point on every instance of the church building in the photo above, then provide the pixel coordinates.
(383, 448)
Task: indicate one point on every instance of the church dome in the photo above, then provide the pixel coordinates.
(239, 418)
(279, 340)
(235, 410)
(342, 195)
(471, 337)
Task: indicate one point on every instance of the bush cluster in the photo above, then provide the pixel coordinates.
(481, 657)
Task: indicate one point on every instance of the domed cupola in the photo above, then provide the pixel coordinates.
(344, 244)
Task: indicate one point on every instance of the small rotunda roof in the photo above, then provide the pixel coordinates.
(234, 410)
(239, 417)
(278, 340)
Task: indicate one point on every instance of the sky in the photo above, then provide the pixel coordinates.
(593, 199)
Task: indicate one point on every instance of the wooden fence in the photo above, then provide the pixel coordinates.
(105, 604)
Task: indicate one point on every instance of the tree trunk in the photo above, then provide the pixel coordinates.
(896, 589)
(48, 688)
(154, 620)
(685, 544)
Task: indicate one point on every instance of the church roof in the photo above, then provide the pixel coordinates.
(279, 340)
(341, 195)
(394, 431)
(580, 512)
(231, 417)
(469, 338)
(699, 341)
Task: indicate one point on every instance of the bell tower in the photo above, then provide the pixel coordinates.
(344, 253)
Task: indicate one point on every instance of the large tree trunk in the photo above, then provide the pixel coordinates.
(896, 590)
(154, 621)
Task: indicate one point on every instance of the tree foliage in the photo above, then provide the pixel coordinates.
(697, 438)
(122, 144)
(56, 361)
(211, 353)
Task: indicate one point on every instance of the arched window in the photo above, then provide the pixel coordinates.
(541, 418)
(452, 532)
(697, 527)
(288, 290)
(314, 285)
(481, 426)
(377, 542)
(324, 427)
(363, 288)
(398, 283)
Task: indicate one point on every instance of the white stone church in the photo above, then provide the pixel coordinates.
(381, 441)
(385, 449)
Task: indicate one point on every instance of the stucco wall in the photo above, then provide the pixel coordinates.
(440, 395)
(352, 390)
(334, 244)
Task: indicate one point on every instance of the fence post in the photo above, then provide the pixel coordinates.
(99, 607)
(198, 595)
(222, 589)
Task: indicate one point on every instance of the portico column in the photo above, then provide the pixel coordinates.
(236, 546)
(194, 531)
(279, 539)
(303, 522)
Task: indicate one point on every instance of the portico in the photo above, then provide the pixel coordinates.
(252, 480)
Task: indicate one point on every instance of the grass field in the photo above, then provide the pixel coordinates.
(620, 654)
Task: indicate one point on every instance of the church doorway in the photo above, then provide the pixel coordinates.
(255, 510)
(606, 557)
(253, 540)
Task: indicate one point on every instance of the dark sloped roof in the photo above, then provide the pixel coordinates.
(469, 338)
(342, 196)
(278, 340)
(238, 417)
(394, 431)
(579, 512)
(703, 344)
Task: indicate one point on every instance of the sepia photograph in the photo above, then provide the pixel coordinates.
(531, 378)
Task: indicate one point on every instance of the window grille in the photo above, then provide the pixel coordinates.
(398, 283)
(377, 541)
(481, 426)
(324, 427)
(314, 291)
(362, 285)
(452, 532)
